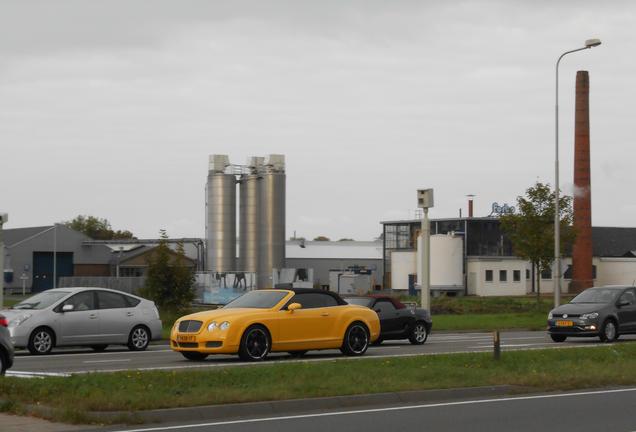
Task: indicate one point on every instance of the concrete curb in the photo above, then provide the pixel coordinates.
(273, 408)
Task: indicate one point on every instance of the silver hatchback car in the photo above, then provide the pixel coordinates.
(94, 317)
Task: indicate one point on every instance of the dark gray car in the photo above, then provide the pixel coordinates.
(6, 347)
(606, 312)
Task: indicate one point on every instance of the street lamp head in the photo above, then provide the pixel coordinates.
(592, 43)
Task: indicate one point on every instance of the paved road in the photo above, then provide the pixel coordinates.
(610, 410)
(158, 357)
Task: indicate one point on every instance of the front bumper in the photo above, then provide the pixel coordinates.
(19, 336)
(216, 342)
(579, 328)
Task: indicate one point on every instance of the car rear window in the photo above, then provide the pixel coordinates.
(109, 300)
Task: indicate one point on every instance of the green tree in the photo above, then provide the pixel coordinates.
(321, 238)
(169, 282)
(97, 228)
(531, 229)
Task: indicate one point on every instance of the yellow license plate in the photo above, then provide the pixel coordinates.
(185, 338)
(564, 323)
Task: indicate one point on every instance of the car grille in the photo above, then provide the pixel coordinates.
(213, 344)
(190, 326)
(187, 345)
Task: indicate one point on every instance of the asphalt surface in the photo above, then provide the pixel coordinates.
(610, 410)
(160, 357)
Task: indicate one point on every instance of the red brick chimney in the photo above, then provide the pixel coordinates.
(582, 250)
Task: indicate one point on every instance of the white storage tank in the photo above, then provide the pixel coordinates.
(447, 258)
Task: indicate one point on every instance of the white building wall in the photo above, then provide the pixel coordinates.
(402, 265)
(615, 271)
(477, 285)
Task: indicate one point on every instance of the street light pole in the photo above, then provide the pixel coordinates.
(557, 217)
(55, 256)
(3, 219)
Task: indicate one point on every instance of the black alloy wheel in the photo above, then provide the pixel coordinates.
(609, 331)
(356, 340)
(558, 337)
(138, 339)
(255, 344)
(99, 348)
(41, 341)
(419, 334)
(297, 354)
(194, 355)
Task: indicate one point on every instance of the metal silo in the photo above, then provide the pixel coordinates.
(220, 216)
(272, 219)
(249, 212)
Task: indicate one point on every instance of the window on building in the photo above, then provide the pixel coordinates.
(516, 275)
(546, 274)
(527, 274)
(488, 275)
(503, 275)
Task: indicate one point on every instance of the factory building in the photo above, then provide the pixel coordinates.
(472, 256)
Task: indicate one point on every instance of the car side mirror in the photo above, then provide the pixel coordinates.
(294, 306)
(68, 308)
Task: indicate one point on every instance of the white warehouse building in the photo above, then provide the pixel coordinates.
(471, 256)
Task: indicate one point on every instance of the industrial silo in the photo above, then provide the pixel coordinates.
(272, 219)
(220, 216)
(249, 215)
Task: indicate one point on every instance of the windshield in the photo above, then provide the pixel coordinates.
(257, 300)
(597, 295)
(42, 300)
(362, 301)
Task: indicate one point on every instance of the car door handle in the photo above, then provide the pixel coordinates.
(92, 316)
(324, 314)
(130, 313)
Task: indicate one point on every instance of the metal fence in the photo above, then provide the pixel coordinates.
(130, 285)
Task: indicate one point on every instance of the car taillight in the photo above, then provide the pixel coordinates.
(4, 322)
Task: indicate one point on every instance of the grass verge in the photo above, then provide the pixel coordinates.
(74, 397)
(521, 320)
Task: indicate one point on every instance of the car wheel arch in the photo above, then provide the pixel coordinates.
(45, 327)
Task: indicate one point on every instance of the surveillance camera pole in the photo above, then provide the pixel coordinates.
(425, 201)
(426, 262)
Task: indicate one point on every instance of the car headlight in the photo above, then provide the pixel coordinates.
(589, 315)
(212, 326)
(224, 325)
(19, 320)
(550, 315)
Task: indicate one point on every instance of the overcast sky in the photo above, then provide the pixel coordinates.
(111, 108)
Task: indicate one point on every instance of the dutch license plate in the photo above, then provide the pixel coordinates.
(564, 323)
(185, 338)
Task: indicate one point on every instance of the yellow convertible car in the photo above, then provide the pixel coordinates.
(274, 320)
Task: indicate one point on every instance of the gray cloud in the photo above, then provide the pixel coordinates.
(111, 108)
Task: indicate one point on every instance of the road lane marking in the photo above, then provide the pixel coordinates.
(106, 361)
(387, 409)
(22, 374)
